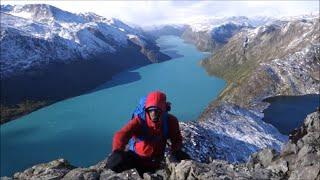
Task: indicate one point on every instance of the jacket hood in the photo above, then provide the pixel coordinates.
(156, 99)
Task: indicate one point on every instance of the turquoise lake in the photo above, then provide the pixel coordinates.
(80, 129)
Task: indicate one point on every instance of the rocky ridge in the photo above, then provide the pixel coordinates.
(299, 159)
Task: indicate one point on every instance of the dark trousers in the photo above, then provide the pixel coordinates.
(128, 160)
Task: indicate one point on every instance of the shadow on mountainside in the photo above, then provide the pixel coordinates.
(172, 53)
(119, 79)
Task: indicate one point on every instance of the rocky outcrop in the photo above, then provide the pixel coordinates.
(299, 159)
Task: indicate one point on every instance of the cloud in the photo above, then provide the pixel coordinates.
(159, 12)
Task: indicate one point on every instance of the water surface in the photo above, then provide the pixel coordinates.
(288, 112)
(80, 129)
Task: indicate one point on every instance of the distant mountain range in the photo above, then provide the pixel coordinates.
(212, 33)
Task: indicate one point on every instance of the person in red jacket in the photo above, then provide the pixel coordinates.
(147, 150)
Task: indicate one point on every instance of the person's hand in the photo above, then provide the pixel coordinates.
(115, 160)
(181, 155)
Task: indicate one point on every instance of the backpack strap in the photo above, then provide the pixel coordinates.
(165, 125)
(145, 134)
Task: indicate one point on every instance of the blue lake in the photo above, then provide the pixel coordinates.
(288, 112)
(80, 129)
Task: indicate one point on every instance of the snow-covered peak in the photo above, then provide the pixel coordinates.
(207, 25)
(306, 17)
(24, 26)
(42, 13)
(90, 16)
(261, 20)
(57, 22)
(77, 35)
(283, 25)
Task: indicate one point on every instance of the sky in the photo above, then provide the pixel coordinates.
(145, 13)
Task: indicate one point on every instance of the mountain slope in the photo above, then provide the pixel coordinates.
(277, 59)
(212, 34)
(48, 54)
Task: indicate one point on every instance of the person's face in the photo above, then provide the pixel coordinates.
(154, 115)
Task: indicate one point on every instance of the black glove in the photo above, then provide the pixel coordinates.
(180, 155)
(168, 106)
(116, 160)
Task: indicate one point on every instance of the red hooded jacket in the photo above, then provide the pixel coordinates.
(150, 149)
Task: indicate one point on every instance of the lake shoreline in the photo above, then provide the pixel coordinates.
(35, 105)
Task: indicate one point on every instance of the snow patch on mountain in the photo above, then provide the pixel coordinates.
(298, 71)
(208, 24)
(231, 133)
(71, 36)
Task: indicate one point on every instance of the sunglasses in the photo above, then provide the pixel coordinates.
(154, 110)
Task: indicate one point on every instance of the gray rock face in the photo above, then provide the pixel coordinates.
(262, 158)
(53, 170)
(300, 160)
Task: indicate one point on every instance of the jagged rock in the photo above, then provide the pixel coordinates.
(159, 175)
(6, 178)
(110, 175)
(262, 158)
(82, 173)
(53, 170)
(307, 172)
(279, 166)
(300, 158)
(289, 148)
